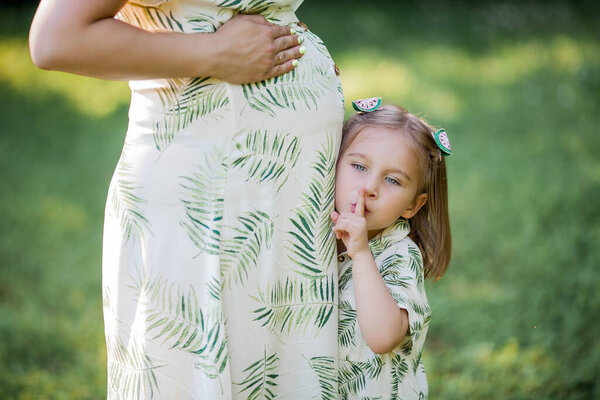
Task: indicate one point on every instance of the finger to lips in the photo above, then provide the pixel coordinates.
(360, 204)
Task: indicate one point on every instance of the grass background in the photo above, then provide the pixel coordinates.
(516, 85)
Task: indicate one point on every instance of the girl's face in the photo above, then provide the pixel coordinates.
(379, 161)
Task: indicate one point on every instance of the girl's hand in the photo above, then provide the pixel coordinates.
(352, 228)
(252, 49)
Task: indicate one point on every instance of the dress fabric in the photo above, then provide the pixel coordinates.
(219, 269)
(399, 374)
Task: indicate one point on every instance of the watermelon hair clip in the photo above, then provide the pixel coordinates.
(441, 138)
(367, 105)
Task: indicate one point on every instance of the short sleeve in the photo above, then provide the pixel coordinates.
(401, 267)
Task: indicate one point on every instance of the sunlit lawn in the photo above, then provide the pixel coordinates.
(517, 86)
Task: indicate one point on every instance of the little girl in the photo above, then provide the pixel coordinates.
(391, 222)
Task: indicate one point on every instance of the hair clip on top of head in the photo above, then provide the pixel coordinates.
(367, 105)
(441, 138)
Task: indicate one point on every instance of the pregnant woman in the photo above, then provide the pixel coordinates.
(219, 271)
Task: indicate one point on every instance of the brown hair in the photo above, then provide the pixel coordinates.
(430, 226)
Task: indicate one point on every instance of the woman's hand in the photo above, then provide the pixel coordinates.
(352, 228)
(251, 49)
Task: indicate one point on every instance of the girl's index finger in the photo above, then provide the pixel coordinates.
(360, 204)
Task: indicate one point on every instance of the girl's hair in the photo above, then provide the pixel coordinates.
(430, 226)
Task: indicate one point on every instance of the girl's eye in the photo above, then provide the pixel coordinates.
(359, 167)
(392, 181)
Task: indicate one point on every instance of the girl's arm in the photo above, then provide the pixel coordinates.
(382, 323)
(83, 37)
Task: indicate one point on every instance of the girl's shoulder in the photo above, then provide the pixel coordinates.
(405, 248)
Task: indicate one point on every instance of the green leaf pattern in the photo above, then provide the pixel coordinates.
(268, 157)
(184, 101)
(131, 372)
(312, 240)
(219, 271)
(127, 203)
(296, 306)
(325, 370)
(261, 378)
(203, 202)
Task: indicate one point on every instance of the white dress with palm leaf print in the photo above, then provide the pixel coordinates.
(398, 374)
(219, 271)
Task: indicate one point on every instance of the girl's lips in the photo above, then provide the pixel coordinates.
(353, 208)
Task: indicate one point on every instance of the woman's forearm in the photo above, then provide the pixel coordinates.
(83, 37)
(382, 323)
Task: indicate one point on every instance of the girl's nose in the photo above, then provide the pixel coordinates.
(370, 189)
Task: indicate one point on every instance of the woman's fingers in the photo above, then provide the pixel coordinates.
(279, 31)
(290, 54)
(281, 69)
(254, 50)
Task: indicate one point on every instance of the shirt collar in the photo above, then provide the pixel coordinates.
(392, 234)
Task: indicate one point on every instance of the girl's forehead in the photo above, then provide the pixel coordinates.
(382, 135)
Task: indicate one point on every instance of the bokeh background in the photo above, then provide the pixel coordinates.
(515, 83)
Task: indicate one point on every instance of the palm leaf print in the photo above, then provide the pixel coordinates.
(173, 314)
(203, 203)
(417, 361)
(317, 42)
(399, 370)
(347, 324)
(379, 245)
(131, 371)
(240, 254)
(353, 376)
(150, 18)
(127, 204)
(230, 3)
(184, 101)
(324, 368)
(312, 244)
(205, 22)
(253, 6)
(261, 378)
(214, 289)
(345, 277)
(268, 157)
(390, 271)
(416, 264)
(289, 91)
(296, 306)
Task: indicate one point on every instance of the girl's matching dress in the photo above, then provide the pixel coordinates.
(219, 265)
(398, 374)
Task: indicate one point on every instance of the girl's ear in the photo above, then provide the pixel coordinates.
(415, 206)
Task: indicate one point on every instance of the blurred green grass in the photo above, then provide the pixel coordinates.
(516, 85)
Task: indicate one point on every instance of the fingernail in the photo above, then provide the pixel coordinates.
(295, 63)
(302, 50)
(292, 31)
(300, 39)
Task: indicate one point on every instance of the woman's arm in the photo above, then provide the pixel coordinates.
(83, 37)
